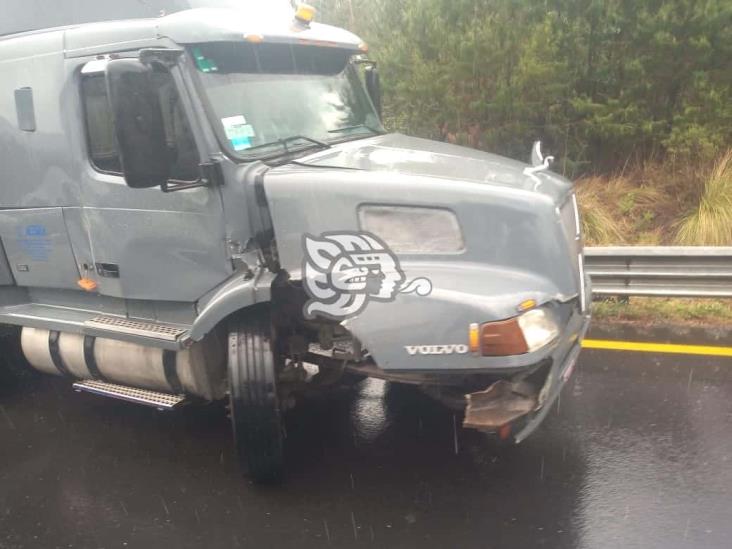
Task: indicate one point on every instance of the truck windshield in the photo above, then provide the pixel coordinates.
(270, 99)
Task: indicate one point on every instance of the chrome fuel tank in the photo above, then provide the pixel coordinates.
(198, 371)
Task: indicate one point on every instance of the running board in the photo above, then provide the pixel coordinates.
(161, 401)
(139, 328)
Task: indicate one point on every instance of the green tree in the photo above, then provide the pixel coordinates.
(600, 81)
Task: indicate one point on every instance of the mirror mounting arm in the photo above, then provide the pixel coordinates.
(211, 174)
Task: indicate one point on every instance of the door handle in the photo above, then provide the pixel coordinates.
(107, 270)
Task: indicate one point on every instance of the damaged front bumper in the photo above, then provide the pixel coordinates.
(423, 341)
(511, 402)
(514, 408)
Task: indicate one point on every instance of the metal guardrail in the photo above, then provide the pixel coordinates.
(663, 271)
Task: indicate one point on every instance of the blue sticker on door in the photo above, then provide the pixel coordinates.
(34, 241)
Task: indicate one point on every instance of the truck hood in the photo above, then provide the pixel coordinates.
(518, 230)
(509, 219)
(422, 157)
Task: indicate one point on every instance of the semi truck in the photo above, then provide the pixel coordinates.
(203, 205)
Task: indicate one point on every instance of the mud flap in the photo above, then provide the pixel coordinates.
(499, 405)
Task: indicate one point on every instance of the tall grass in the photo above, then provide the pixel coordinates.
(660, 202)
(710, 223)
(616, 210)
(599, 225)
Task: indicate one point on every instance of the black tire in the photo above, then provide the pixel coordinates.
(255, 410)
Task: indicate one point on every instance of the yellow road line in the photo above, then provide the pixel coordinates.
(643, 347)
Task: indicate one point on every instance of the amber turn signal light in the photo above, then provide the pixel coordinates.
(474, 338)
(502, 338)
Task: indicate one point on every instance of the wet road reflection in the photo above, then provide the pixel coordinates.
(636, 454)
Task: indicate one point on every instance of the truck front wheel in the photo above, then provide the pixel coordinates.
(255, 410)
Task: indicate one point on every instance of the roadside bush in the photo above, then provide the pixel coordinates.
(598, 82)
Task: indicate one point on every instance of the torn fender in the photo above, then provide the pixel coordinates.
(239, 292)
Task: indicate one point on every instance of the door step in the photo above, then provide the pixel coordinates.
(135, 327)
(161, 401)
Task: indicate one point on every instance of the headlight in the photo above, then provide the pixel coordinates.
(539, 328)
(413, 230)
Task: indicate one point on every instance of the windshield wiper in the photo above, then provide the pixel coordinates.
(356, 127)
(285, 140)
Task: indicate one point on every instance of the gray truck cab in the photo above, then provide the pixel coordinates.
(206, 206)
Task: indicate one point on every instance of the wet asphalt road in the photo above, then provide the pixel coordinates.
(637, 454)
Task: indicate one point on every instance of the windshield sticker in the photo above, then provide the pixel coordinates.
(204, 64)
(238, 132)
(344, 271)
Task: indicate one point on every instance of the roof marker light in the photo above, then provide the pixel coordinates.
(305, 13)
(254, 38)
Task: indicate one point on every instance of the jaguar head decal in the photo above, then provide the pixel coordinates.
(343, 271)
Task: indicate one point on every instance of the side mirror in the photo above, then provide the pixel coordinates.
(373, 86)
(138, 123)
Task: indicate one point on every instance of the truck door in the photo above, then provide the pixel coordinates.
(146, 243)
(37, 178)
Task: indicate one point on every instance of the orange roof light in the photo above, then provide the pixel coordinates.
(305, 13)
(254, 38)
